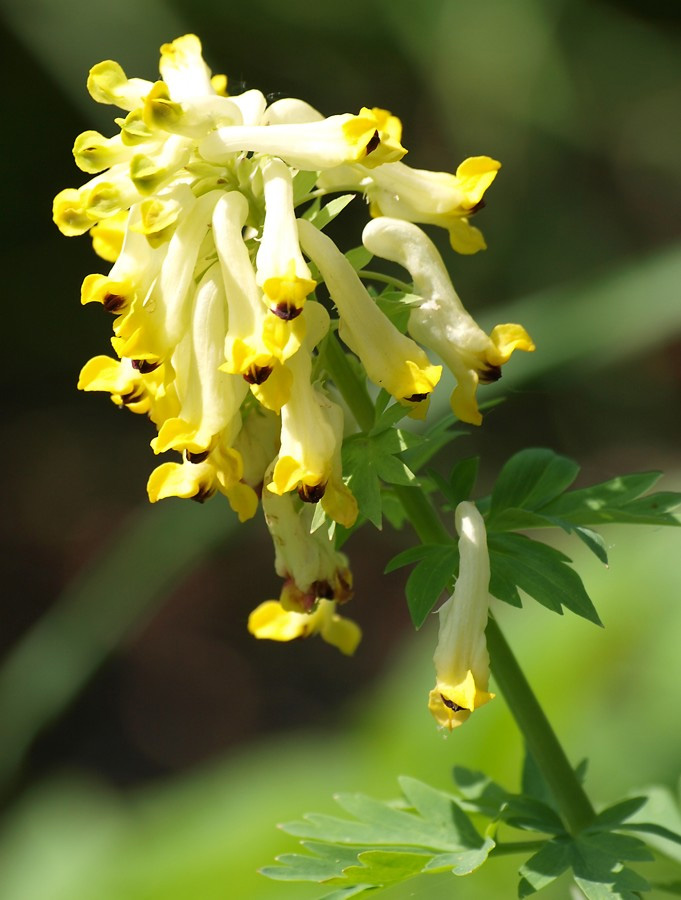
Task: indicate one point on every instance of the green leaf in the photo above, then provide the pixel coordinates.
(432, 441)
(478, 792)
(397, 306)
(346, 893)
(545, 866)
(620, 847)
(462, 479)
(359, 257)
(368, 459)
(592, 539)
(462, 863)
(530, 479)
(600, 874)
(669, 887)
(321, 216)
(415, 554)
(303, 183)
(436, 806)
(617, 500)
(428, 580)
(529, 814)
(387, 417)
(539, 570)
(384, 867)
(619, 812)
(386, 843)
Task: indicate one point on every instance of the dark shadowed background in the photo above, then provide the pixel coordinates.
(148, 744)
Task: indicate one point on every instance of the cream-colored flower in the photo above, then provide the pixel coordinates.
(391, 359)
(461, 658)
(281, 271)
(440, 321)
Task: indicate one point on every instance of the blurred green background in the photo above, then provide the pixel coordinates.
(147, 744)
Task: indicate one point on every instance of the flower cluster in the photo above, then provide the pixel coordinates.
(202, 203)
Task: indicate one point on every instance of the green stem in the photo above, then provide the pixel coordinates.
(350, 387)
(386, 279)
(540, 737)
(509, 847)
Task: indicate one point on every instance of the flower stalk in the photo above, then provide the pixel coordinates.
(541, 740)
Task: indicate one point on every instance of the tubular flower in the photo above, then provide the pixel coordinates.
(203, 204)
(272, 621)
(316, 578)
(391, 359)
(257, 342)
(311, 434)
(440, 321)
(282, 272)
(417, 195)
(461, 658)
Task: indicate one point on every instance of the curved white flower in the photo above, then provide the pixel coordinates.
(391, 359)
(281, 271)
(440, 321)
(461, 658)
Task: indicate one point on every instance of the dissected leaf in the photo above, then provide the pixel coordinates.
(320, 216)
(541, 571)
(478, 792)
(531, 479)
(428, 580)
(545, 866)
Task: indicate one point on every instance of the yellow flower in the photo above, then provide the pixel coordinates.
(199, 476)
(390, 358)
(312, 145)
(210, 398)
(281, 271)
(312, 433)
(155, 323)
(440, 321)
(461, 658)
(271, 621)
(131, 383)
(257, 342)
(308, 561)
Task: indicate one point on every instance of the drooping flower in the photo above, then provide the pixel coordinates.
(461, 658)
(309, 458)
(391, 359)
(439, 321)
(316, 578)
(218, 329)
(281, 271)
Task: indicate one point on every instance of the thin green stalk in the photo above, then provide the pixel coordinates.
(352, 390)
(386, 279)
(539, 736)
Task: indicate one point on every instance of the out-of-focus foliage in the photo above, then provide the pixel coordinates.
(580, 102)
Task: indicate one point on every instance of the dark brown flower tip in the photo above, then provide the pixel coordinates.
(417, 398)
(144, 366)
(113, 303)
(133, 396)
(481, 204)
(343, 587)
(204, 493)
(311, 493)
(197, 458)
(373, 143)
(257, 374)
(489, 374)
(286, 311)
(450, 704)
(322, 590)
